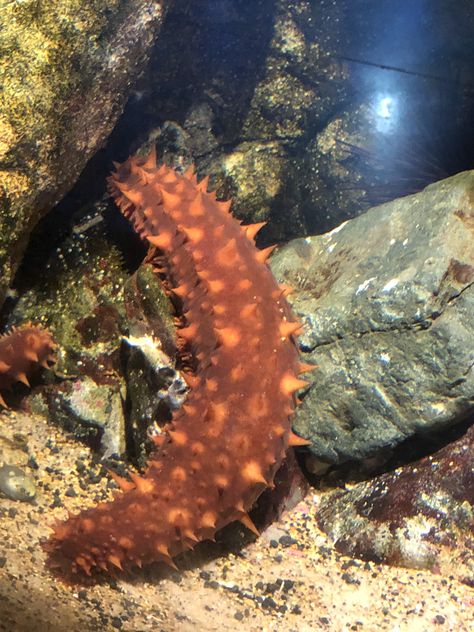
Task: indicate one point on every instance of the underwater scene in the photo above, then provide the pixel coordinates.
(237, 315)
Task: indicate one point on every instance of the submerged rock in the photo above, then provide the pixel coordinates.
(16, 484)
(65, 71)
(240, 98)
(420, 516)
(388, 305)
(154, 389)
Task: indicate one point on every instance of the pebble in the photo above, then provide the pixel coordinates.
(16, 484)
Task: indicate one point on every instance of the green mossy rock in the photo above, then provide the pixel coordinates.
(65, 70)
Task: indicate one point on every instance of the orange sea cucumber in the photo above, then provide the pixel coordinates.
(22, 351)
(226, 443)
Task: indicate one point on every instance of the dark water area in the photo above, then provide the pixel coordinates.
(412, 61)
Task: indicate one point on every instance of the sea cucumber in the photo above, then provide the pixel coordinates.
(225, 444)
(23, 350)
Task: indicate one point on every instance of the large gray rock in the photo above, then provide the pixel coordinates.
(388, 305)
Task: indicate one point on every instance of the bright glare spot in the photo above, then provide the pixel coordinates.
(386, 112)
(385, 107)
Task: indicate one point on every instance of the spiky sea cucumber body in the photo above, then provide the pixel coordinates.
(226, 443)
(23, 350)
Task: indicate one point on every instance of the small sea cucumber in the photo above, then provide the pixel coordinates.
(23, 350)
(225, 444)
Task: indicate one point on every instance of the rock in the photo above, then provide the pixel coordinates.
(420, 515)
(64, 83)
(241, 108)
(93, 412)
(154, 389)
(16, 484)
(387, 301)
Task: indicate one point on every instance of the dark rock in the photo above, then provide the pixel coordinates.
(387, 302)
(420, 516)
(291, 486)
(240, 97)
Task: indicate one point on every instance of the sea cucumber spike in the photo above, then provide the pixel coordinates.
(247, 522)
(21, 377)
(182, 290)
(86, 567)
(163, 241)
(169, 562)
(289, 328)
(187, 546)
(228, 336)
(294, 440)
(203, 184)
(262, 255)
(123, 187)
(208, 520)
(189, 173)
(252, 229)
(195, 234)
(191, 380)
(290, 384)
(135, 196)
(124, 485)
(171, 200)
(252, 472)
(45, 362)
(247, 311)
(224, 206)
(178, 436)
(216, 286)
(115, 560)
(197, 207)
(31, 355)
(150, 161)
(303, 367)
(228, 254)
(4, 367)
(2, 402)
(143, 485)
(286, 290)
(163, 549)
(219, 231)
(189, 533)
(189, 333)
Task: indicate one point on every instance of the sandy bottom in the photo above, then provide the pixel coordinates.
(288, 579)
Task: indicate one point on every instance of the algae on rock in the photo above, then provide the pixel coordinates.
(65, 70)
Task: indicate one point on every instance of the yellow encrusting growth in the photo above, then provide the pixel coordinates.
(224, 446)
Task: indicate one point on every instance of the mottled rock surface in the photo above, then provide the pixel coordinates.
(388, 302)
(65, 70)
(240, 98)
(420, 515)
